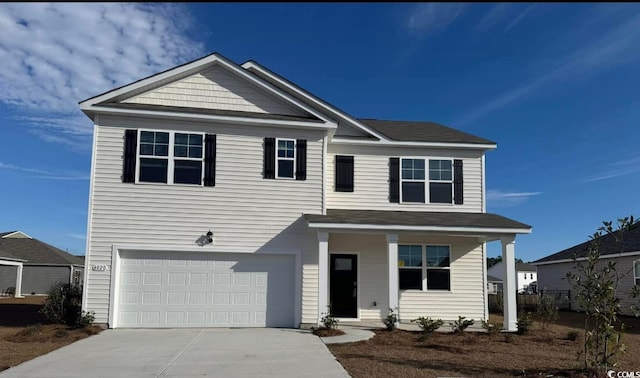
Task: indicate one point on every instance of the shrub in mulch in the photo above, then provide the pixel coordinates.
(44, 333)
(327, 332)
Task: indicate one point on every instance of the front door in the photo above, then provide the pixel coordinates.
(343, 282)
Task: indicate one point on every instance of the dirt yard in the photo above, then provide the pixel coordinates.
(24, 334)
(541, 353)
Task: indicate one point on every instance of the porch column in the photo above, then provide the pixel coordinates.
(323, 273)
(509, 283)
(392, 255)
(18, 293)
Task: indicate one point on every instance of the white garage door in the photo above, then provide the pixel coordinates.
(181, 289)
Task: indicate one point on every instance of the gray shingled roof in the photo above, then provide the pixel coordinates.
(525, 267)
(415, 218)
(36, 252)
(185, 109)
(493, 279)
(412, 131)
(608, 246)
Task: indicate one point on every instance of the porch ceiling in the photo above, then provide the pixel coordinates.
(477, 223)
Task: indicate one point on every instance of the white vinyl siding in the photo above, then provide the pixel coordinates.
(215, 88)
(245, 212)
(553, 277)
(371, 178)
(466, 297)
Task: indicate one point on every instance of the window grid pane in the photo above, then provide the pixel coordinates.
(438, 256)
(440, 170)
(409, 256)
(154, 143)
(286, 149)
(188, 145)
(412, 169)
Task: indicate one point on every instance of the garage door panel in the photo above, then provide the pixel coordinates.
(173, 289)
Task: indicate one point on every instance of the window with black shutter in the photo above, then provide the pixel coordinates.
(394, 180)
(285, 158)
(344, 173)
(426, 180)
(210, 160)
(167, 157)
(129, 163)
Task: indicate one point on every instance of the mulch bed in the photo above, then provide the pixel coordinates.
(23, 336)
(327, 332)
(541, 353)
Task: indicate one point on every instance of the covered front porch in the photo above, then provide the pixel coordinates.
(416, 263)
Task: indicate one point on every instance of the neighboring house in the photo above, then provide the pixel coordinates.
(526, 274)
(494, 285)
(225, 195)
(553, 269)
(33, 267)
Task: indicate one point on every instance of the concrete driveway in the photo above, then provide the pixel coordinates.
(187, 353)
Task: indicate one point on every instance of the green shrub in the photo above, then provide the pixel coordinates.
(428, 325)
(391, 321)
(508, 338)
(524, 323)
(492, 328)
(547, 310)
(63, 306)
(30, 330)
(86, 319)
(328, 321)
(458, 326)
(572, 335)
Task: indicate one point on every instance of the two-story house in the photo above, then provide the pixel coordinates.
(225, 195)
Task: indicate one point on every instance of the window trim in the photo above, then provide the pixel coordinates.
(170, 157)
(293, 159)
(636, 272)
(427, 180)
(424, 267)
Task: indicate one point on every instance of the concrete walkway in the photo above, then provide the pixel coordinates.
(187, 353)
(351, 335)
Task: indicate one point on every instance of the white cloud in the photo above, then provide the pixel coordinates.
(615, 47)
(516, 20)
(427, 18)
(55, 55)
(495, 15)
(22, 169)
(502, 198)
(617, 169)
(77, 236)
(47, 175)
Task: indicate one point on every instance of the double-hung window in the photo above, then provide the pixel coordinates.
(424, 267)
(413, 185)
(286, 158)
(440, 181)
(170, 157)
(636, 269)
(154, 156)
(437, 185)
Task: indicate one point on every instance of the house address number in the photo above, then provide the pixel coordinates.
(99, 268)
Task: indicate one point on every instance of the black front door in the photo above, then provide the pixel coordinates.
(343, 281)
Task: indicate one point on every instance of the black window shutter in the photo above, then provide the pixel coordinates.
(394, 179)
(269, 171)
(301, 159)
(130, 148)
(210, 160)
(344, 173)
(458, 197)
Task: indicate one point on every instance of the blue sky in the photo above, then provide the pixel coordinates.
(555, 85)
